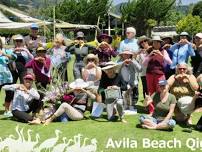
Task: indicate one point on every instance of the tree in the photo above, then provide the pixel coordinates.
(9, 3)
(190, 24)
(138, 12)
(78, 11)
(197, 10)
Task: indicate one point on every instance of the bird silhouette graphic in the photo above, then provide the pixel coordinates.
(30, 142)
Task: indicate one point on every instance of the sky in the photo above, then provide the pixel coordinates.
(184, 2)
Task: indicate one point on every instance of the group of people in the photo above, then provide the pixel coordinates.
(108, 78)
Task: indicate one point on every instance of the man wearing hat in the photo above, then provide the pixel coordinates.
(181, 51)
(34, 40)
(129, 71)
(41, 67)
(80, 49)
(196, 61)
(130, 43)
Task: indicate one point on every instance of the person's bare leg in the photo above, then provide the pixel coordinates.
(36, 121)
(148, 122)
(49, 120)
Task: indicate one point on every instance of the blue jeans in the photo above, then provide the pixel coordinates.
(171, 123)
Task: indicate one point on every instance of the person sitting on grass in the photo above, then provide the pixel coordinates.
(164, 103)
(76, 108)
(25, 100)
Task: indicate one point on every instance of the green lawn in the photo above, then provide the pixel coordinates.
(102, 131)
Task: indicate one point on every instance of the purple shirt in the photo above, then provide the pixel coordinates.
(37, 69)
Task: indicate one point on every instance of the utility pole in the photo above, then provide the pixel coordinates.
(54, 21)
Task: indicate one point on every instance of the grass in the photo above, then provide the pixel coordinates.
(102, 130)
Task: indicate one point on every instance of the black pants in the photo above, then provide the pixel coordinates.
(144, 85)
(24, 116)
(20, 74)
(9, 94)
(169, 73)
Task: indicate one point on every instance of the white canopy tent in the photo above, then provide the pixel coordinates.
(6, 23)
(4, 19)
(20, 14)
(65, 25)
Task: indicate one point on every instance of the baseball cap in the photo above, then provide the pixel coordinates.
(162, 82)
(35, 26)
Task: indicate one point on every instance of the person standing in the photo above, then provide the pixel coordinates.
(104, 50)
(41, 66)
(6, 57)
(128, 71)
(80, 50)
(196, 61)
(181, 51)
(144, 44)
(131, 44)
(155, 62)
(34, 40)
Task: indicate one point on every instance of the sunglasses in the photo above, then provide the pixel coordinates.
(18, 40)
(80, 38)
(143, 41)
(91, 60)
(104, 37)
(182, 69)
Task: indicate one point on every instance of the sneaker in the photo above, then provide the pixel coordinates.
(8, 114)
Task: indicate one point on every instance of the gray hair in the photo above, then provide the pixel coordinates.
(189, 69)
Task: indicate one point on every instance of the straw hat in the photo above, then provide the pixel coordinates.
(143, 38)
(110, 65)
(126, 52)
(91, 56)
(18, 37)
(80, 34)
(199, 35)
(184, 34)
(156, 38)
(78, 83)
(40, 49)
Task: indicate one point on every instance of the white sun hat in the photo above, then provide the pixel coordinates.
(110, 65)
(78, 83)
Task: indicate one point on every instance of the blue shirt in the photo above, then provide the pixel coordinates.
(181, 54)
(128, 44)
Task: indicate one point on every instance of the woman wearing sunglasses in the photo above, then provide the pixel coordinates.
(80, 49)
(183, 85)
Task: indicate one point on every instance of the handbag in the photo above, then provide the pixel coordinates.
(113, 93)
(97, 109)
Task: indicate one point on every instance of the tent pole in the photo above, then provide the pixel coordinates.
(98, 22)
(54, 22)
(109, 25)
